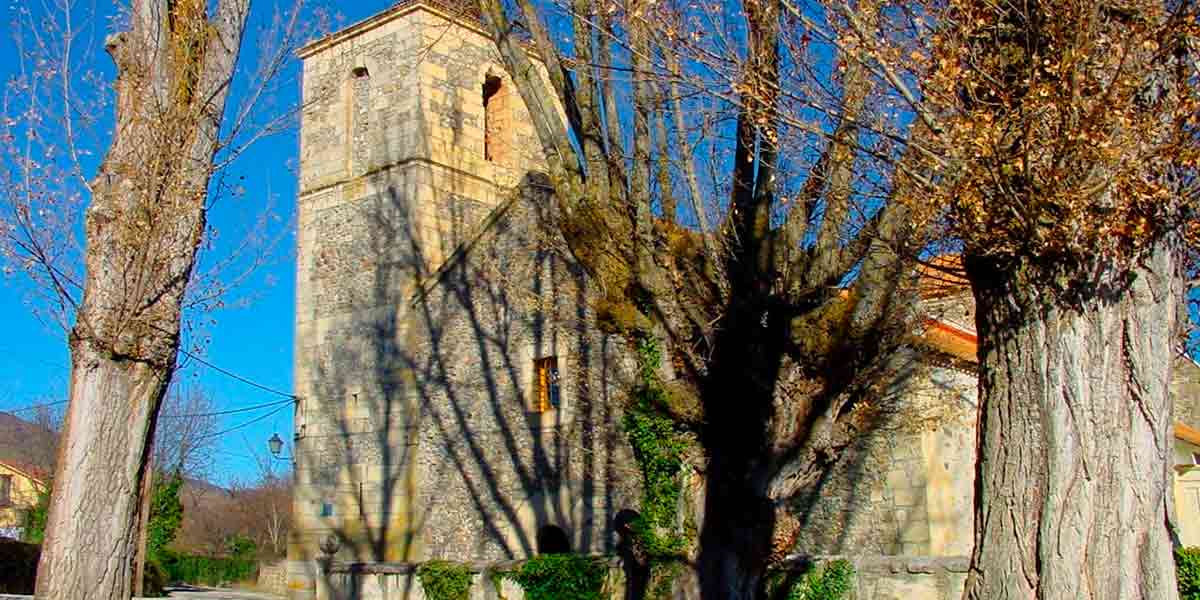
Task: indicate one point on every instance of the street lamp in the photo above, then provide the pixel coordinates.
(275, 444)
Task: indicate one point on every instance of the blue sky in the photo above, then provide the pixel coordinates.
(254, 341)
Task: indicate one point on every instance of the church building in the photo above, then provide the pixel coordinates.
(456, 400)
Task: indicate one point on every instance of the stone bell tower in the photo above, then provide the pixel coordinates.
(411, 134)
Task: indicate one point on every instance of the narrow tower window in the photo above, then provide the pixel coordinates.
(493, 102)
(546, 394)
(360, 117)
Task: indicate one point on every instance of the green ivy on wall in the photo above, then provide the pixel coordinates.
(444, 580)
(830, 581)
(658, 448)
(35, 526)
(561, 577)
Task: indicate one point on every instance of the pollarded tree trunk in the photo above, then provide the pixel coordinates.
(143, 227)
(1073, 482)
(94, 510)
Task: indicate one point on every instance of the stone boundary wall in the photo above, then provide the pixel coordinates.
(273, 577)
(877, 577)
(21, 597)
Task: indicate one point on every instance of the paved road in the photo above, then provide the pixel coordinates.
(196, 593)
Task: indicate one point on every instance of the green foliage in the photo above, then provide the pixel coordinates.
(205, 570)
(1187, 570)
(444, 580)
(561, 577)
(35, 524)
(662, 578)
(649, 356)
(166, 515)
(831, 581)
(241, 546)
(658, 447)
(18, 566)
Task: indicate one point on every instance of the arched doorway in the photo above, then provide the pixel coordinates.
(551, 539)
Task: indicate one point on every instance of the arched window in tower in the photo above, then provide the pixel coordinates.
(495, 120)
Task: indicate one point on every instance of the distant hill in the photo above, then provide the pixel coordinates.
(31, 444)
(25, 442)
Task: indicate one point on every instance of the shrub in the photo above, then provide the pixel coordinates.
(1187, 570)
(241, 546)
(35, 525)
(166, 513)
(561, 577)
(830, 581)
(444, 580)
(18, 566)
(205, 570)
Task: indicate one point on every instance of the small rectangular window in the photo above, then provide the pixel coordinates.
(5, 490)
(1196, 458)
(546, 394)
(326, 509)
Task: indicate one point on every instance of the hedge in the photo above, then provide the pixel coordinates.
(205, 570)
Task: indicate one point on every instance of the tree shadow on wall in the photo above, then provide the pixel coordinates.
(422, 434)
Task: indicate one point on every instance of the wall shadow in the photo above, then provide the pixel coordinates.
(431, 285)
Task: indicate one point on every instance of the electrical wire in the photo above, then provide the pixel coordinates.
(33, 407)
(290, 397)
(230, 411)
(237, 377)
(241, 425)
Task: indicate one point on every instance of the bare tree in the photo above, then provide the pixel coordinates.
(185, 437)
(264, 506)
(211, 516)
(785, 299)
(271, 499)
(48, 417)
(122, 298)
(144, 225)
(1053, 144)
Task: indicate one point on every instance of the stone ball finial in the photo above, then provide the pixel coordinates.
(330, 544)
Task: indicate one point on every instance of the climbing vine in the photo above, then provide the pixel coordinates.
(831, 581)
(166, 513)
(659, 448)
(561, 577)
(444, 580)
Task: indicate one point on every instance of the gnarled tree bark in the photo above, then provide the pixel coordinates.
(1074, 482)
(143, 228)
(767, 351)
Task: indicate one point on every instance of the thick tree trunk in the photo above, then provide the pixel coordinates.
(143, 227)
(738, 522)
(96, 505)
(1073, 484)
(734, 542)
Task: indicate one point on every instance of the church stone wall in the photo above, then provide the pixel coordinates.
(494, 472)
(393, 181)
(428, 283)
(905, 486)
